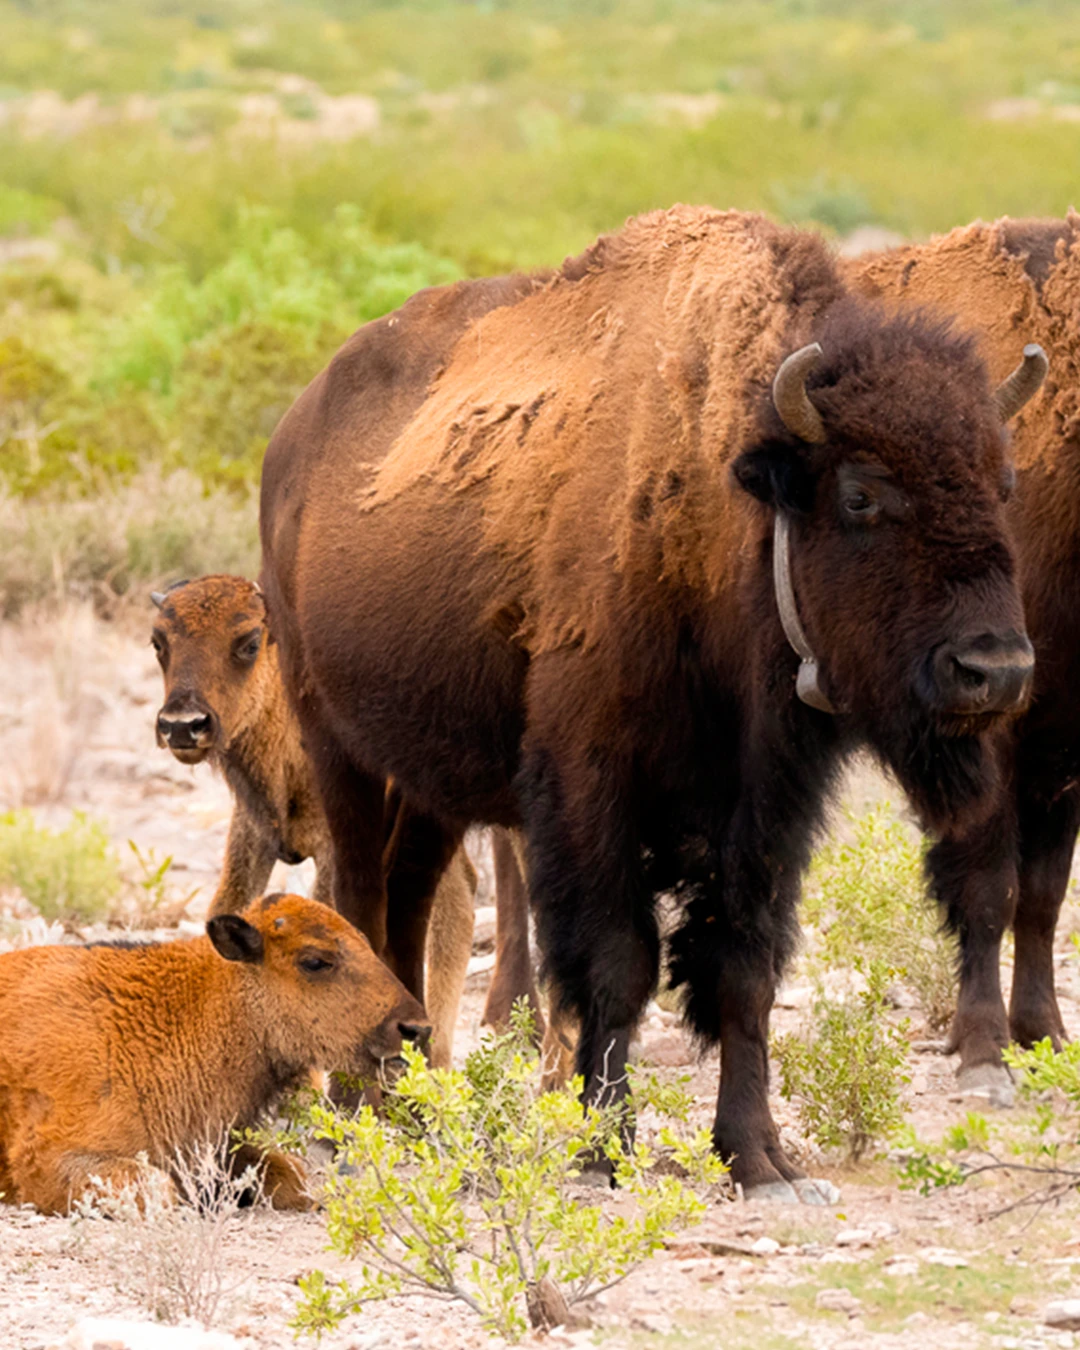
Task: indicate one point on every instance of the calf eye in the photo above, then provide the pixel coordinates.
(313, 964)
(159, 646)
(246, 648)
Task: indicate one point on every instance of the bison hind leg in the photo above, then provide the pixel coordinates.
(106, 1182)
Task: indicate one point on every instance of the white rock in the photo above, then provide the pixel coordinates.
(90, 1333)
(765, 1246)
(1063, 1313)
(855, 1237)
(942, 1256)
(902, 1268)
(837, 1300)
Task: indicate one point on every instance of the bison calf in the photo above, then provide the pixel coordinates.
(225, 703)
(112, 1051)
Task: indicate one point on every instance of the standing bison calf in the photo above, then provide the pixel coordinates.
(113, 1051)
(224, 702)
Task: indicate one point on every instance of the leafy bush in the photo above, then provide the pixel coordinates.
(70, 873)
(846, 1069)
(868, 899)
(466, 1190)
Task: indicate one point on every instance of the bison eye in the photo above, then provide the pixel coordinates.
(859, 505)
(159, 645)
(246, 648)
(314, 964)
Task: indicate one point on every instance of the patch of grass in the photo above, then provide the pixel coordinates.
(847, 1068)
(867, 899)
(70, 873)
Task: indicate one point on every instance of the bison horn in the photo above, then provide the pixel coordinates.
(1012, 393)
(808, 684)
(158, 598)
(790, 398)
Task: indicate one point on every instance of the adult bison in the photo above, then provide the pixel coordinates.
(519, 554)
(1008, 281)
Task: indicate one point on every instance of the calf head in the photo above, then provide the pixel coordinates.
(321, 997)
(212, 644)
(884, 455)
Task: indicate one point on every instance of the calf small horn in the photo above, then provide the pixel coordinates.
(158, 598)
(790, 398)
(1014, 391)
(808, 683)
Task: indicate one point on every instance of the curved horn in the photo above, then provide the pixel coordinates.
(1014, 391)
(158, 598)
(790, 398)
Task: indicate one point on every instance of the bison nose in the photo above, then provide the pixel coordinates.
(418, 1033)
(185, 731)
(990, 674)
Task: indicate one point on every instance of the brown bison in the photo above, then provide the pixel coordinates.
(112, 1051)
(224, 702)
(540, 549)
(1006, 282)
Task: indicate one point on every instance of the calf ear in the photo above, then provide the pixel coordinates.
(235, 939)
(776, 474)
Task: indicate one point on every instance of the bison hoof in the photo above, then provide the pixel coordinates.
(775, 1192)
(991, 1082)
(817, 1191)
(801, 1191)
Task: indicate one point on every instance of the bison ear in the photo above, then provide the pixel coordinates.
(235, 939)
(776, 474)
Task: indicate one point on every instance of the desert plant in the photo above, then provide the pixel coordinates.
(169, 1256)
(70, 873)
(465, 1190)
(846, 1069)
(867, 898)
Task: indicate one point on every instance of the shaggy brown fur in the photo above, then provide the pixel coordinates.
(109, 1052)
(220, 667)
(1008, 282)
(517, 551)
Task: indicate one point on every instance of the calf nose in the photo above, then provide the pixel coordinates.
(418, 1033)
(185, 731)
(992, 673)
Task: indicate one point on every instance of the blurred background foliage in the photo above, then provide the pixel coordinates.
(199, 199)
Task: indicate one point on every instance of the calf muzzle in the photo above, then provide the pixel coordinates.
(187, 730)
(991, 673)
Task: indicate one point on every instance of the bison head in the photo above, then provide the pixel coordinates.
(885, 459)
(211, 642)
(323, 998)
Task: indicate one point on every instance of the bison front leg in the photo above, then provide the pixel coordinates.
(1047, 840)
(975, 880)
(594, 910)
(250, 855)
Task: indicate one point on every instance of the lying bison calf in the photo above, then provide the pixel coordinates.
(225, 703)
(112, 1051)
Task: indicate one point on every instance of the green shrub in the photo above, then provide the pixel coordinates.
(868, 900)
(465, 1190)
(69, 874)
(847, 1068)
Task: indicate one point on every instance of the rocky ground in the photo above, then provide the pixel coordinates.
(883, 1268)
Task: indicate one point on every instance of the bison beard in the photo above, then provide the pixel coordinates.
(542, 593)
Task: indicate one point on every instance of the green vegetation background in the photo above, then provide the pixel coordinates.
(185, 239)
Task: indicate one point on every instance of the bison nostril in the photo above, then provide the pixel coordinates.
(418, 1033)
(970, 678)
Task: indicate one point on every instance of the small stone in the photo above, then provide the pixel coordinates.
(1023, 1307)
(902, 1268)
(942, 1256)
(837, 1300)
(1063, 1314)
(855, 1237)
(765, 1246)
